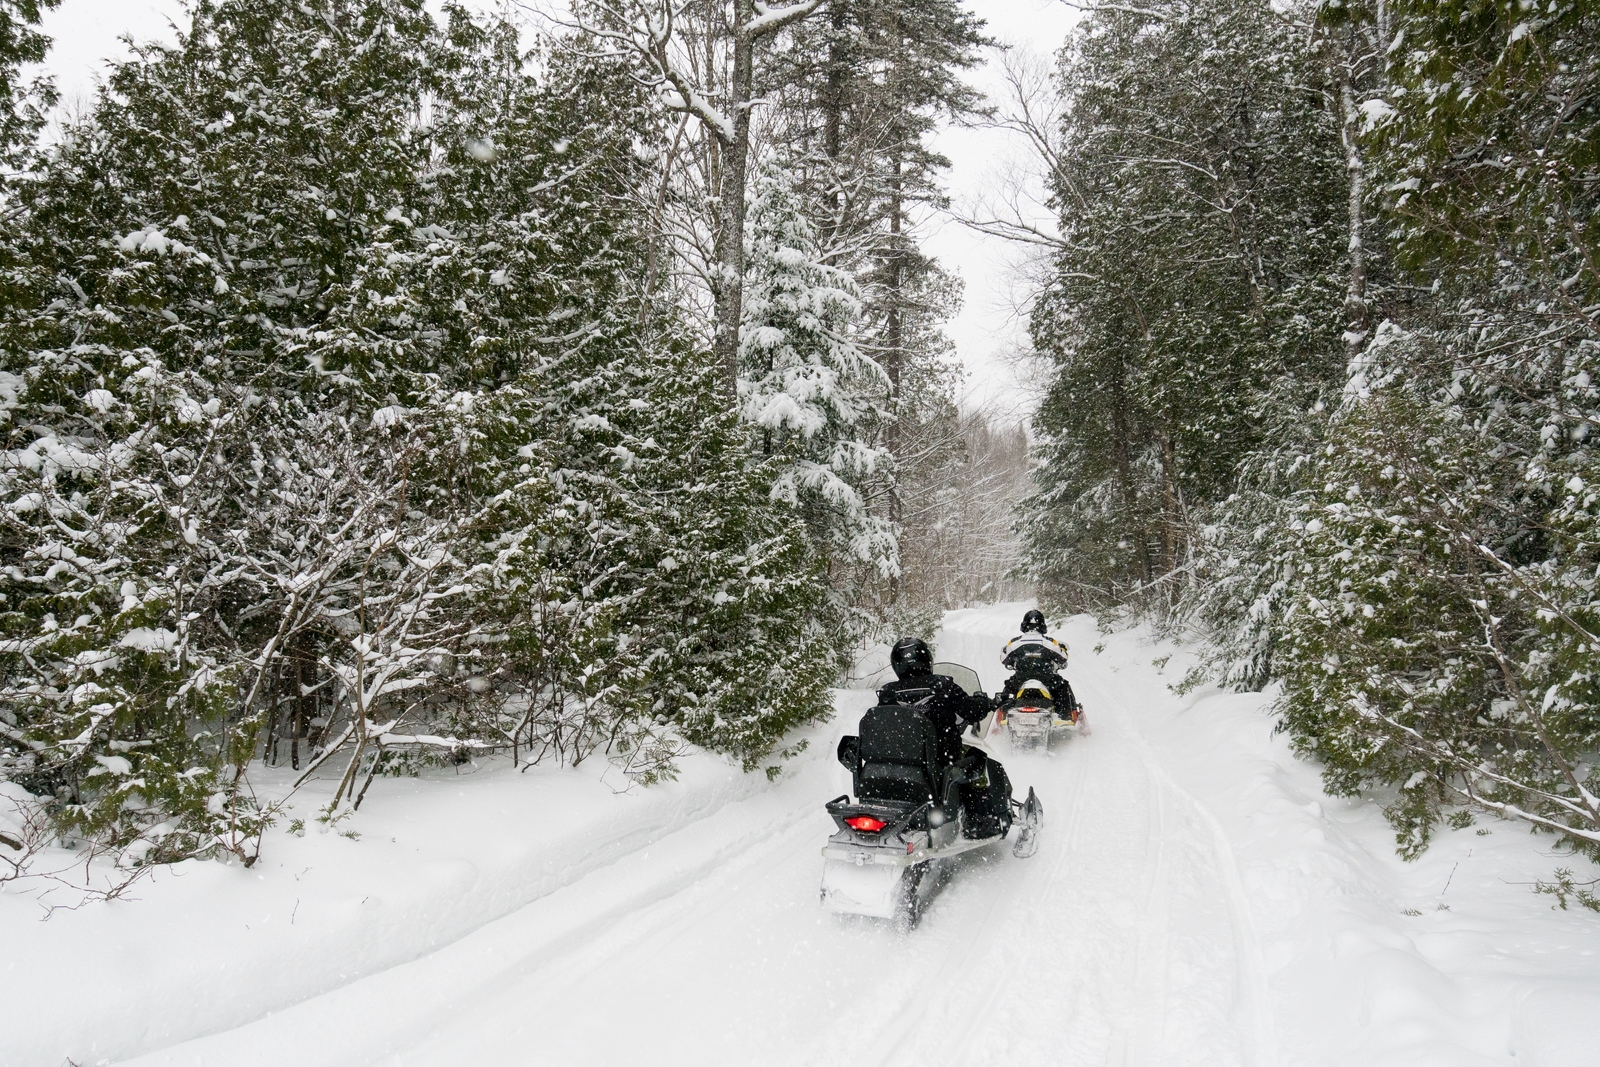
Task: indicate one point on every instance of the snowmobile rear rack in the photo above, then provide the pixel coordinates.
(917, 854)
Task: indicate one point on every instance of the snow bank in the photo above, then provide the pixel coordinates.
(1450, 960)
(203, 946)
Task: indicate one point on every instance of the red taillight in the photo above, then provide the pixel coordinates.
(865, 823)
(1027, 709)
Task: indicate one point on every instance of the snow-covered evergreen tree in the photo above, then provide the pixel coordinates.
(335, 436)
(810, 395)
(1388, 505)
(1197, 285)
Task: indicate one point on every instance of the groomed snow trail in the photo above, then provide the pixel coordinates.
(1125, 940)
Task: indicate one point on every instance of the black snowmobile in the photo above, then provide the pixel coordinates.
(907, 820)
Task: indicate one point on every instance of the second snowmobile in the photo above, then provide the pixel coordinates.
(1036, 698)
(1029, 717)
(907, 821)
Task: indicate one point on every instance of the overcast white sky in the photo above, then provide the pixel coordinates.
(986, 332)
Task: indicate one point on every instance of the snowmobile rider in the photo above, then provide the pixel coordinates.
(987, 796)
(1034, 656)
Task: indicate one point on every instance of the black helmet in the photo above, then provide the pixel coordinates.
(911, 657)
(1033, 620)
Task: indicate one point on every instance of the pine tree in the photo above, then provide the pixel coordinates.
(22, 107)
(862, 87)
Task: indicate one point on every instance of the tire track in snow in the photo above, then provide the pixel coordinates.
(1147, 1044)
(1253, 1004)
(961, 1047)
(711, 945)
(928, 996)
(1261, 1047)
(619, 912)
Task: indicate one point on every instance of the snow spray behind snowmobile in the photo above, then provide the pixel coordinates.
(907, 821)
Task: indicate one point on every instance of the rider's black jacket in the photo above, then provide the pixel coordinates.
(945, 703)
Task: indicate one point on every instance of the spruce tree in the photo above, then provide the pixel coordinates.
(862, 88)
(812, 398)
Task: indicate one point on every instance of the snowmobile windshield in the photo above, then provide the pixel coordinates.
(965, 677)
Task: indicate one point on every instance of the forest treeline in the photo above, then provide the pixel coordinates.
(382, 389)
(1323, 322)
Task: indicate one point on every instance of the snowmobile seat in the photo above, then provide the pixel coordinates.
(898, 755)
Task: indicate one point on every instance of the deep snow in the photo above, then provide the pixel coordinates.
(1197, 900)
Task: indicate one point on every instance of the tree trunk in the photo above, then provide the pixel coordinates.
(297, 663)
(1356, 315)
(1121, 434)
(894, 338)
(1171, 520)
(833, 122)
(894, 341)
(735, 177)
(652, 269)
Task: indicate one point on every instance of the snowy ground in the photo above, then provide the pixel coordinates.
(1196, 900)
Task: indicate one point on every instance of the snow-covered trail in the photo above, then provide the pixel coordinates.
(1196, 899)
(1125, 940)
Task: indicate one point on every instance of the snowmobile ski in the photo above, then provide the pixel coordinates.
(1030, 819)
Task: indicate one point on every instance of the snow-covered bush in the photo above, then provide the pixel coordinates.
(1424, 646)
(119, 685)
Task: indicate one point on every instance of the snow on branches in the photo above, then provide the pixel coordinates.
(332, 438)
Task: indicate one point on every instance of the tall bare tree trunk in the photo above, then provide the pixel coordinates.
(895, 340)
(297, 663)
(833, 122)
(1357, 318)
(1171, 520)
(735, 179)
(747, 30)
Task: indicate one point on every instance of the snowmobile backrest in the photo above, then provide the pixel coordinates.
(897, 733)
(1034, 690)
(899, 753)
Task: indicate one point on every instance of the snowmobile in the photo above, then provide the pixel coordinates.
(1029, 717)
(1032, 716)
(895, 841)
(1038, 707)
